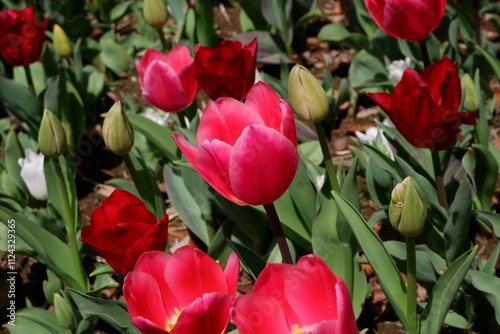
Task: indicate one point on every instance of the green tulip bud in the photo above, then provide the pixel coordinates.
(155, 13)
(408, 208)
(117, 130)
(61, 42)
(471, 101)
(306, 96)
(63, 313)
(51, 137)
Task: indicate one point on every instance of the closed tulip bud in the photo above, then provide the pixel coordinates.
(61, 42)
(408, 208)
(63, 313)
(306, 96)
(155, 13)
(51, 138)
(471, 102)
(117, 131)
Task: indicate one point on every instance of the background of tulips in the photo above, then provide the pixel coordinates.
(65, 63)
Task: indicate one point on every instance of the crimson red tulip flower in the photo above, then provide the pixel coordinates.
(306, 298)
(412, 20)
(122, 228)
(168, 80)
(424, 106)
(21, 36)
(227, 70)
(183, 293)
(246, 151)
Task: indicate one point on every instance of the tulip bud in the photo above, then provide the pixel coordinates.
(306, 96)
(61, 42)
(63, 313)
(51, 137)
(155, 13)
(117, 130)
(408, 208)
(471, 102)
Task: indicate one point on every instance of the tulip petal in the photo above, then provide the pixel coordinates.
(225, 120)
(410, 20)
(147, 327)
(208, 314)
(309, 289)
(258, 313)
(263, 164)
(193, 265)
(213, 159)
(154, 264)
(221, 85)
(232, 272)
(266, 102)
(346, 321)
(157, 76)
(271, 282)
(144, 298)
(444, 83)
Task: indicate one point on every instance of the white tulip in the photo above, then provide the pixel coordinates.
(32, 174)
(397, 68)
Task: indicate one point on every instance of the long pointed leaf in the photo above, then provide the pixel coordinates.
(443, 293)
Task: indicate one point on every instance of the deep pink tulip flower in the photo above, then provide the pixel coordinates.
(183, 293)
(286, 299)
(168, 80)
(246, 151)
(412, 20)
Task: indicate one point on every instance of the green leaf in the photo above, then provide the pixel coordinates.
(23, 104)
(156, 134)
(145, 183)
(252, 262)
(124, 185)
(490, 218)
(485, 175)
(492, 60)
(119, 10)
(337, 33)
(433, 316)
(385, 269)
(112, 312)
(101, 269)
(489, 286)
(36, 321)
(456, 230)
(49, 249)
(205, 32)
(13, 152)
(115, 57)
(367, 70)
(184, 203)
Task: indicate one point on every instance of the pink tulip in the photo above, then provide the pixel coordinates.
(306, 298)
(168, 81)
(246, 151)
(183, 293)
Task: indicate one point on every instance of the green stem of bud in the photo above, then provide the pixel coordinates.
(411, 276)
(330, 170)
(163, 41)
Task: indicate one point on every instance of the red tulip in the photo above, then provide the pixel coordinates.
(305, 298)
(246, 151)
(121, 229)
(21, 36)
(423, 107)
(412, 20)
(227, 70)
(168, 81)
(183, 293)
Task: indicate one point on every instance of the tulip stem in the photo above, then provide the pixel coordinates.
(411, 276)
(330, 170)
(278, 233)
(438, 174)
(29, 78)
(163, 41)
(425, 54)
